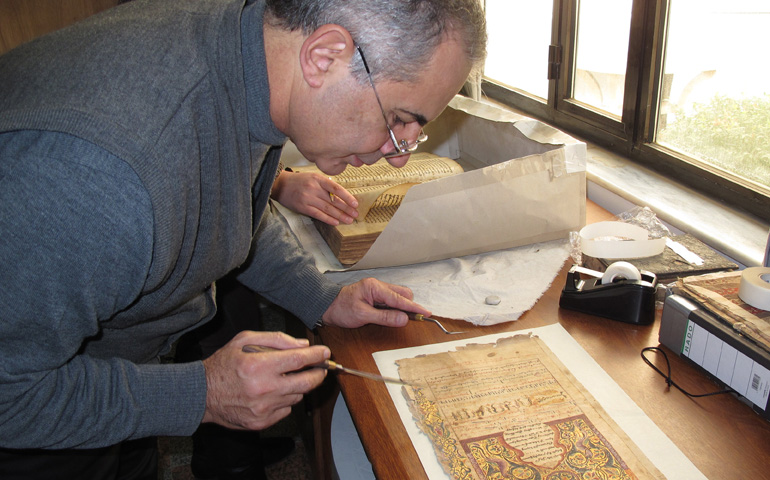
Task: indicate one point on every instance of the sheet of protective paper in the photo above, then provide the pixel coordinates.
(524, 183)
(608, 408)
(514, 203)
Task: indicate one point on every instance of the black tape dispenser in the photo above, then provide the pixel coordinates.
(621, 293)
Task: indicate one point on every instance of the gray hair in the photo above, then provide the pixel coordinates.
(397, 36)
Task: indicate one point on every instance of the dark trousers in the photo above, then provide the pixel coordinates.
(237, 310)
(130, 460)
(217, 451)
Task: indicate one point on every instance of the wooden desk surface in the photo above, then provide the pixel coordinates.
(721, 435)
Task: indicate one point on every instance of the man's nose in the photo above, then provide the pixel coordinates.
(398, 161)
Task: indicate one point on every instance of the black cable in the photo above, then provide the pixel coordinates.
(670, 382)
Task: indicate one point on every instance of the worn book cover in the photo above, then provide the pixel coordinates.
(379, 189)
(718, 293)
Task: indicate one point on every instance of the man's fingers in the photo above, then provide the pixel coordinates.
(391, 317)
(260, 422)
(341, 204)
(339, 195)
(286, 361)
(276, 340)
(300, 383)
(392, 296)
(337, 212)
(402, 292)
(254, 389)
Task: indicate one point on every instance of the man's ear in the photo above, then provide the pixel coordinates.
(323, 52)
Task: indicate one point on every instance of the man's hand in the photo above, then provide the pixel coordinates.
(255, 390)
(316, 196)
(354, 306)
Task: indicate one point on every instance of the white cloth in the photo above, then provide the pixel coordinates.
(457, 287)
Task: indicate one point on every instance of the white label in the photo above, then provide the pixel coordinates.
(732, 367)
(759, 386)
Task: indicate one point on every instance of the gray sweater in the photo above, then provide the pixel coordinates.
(135, 170)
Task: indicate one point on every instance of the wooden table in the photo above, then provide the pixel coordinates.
(722, 436)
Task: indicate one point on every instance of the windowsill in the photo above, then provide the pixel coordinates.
(616, 184)
(619, 184)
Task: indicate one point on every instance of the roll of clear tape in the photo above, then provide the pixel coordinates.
(620, 270)
(594, 243)
(755, 287)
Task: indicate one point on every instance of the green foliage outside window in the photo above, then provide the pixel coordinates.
(733, 134)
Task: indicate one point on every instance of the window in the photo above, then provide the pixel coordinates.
(601, 51)
(715, 102)
(519, 36)
(680, 86)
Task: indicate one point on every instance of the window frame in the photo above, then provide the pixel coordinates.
(631, 136)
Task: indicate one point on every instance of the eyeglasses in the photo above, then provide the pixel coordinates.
(401, 147)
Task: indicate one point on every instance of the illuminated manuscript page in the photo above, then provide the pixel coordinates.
(507, 407)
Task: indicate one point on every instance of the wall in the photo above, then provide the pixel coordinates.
(23, 20)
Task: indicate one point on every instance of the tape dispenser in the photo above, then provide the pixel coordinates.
(620, 293)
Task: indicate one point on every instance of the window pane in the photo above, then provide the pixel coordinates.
(715, 104)
(602, 52)
(519, 35)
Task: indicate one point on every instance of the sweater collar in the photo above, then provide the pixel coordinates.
(261, 127)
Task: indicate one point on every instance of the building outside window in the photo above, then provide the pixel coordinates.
(682, 86)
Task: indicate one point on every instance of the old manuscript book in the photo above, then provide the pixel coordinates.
(379, 189)
(512, 410)
(718, 293)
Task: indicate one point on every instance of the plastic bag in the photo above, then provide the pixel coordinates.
(645, 218)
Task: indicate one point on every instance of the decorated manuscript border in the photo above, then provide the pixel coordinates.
(512, 410)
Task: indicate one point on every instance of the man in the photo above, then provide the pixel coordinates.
(218, 452)
(137, 154)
